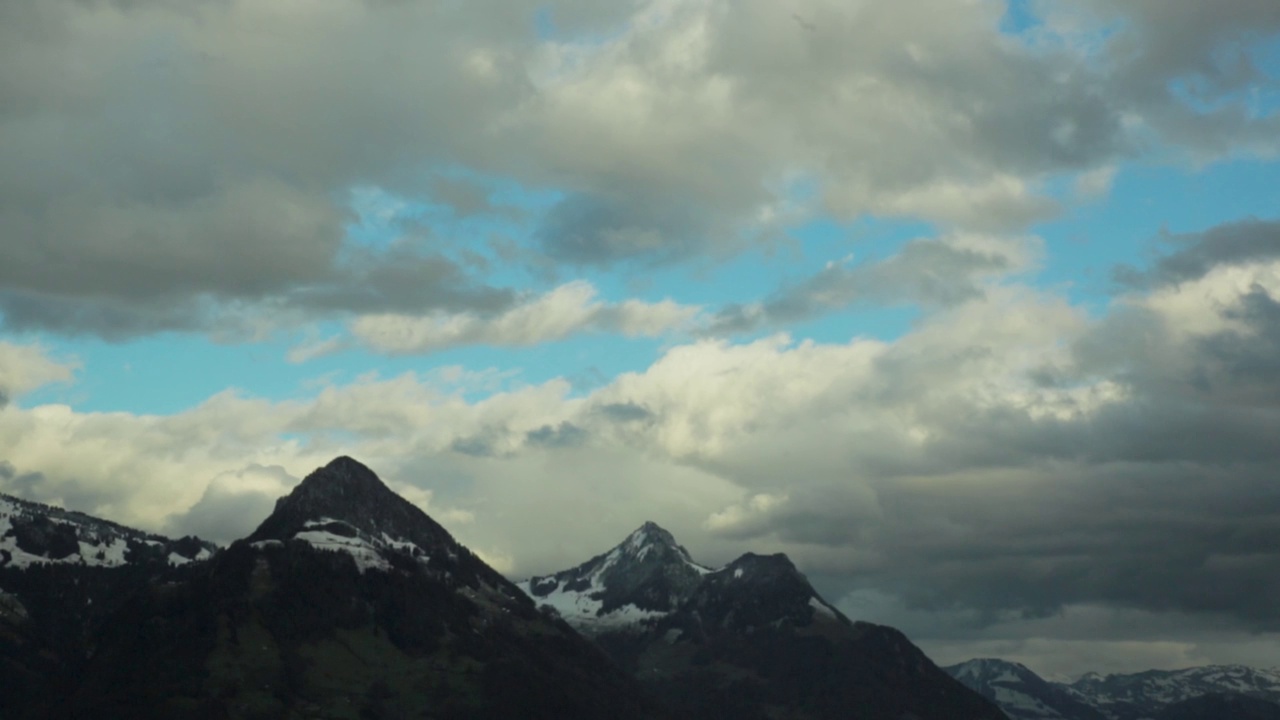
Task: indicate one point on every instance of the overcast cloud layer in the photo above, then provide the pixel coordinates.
(1018, 474)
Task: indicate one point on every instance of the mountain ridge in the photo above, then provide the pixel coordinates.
(750, 639)
(347, 601)
(1117, 696)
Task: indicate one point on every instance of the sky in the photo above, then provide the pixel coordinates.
(970, 307)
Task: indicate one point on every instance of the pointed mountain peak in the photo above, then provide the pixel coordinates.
(344, 475)
(344, 504)
(984, 669)
(650, 534)
(642, 578)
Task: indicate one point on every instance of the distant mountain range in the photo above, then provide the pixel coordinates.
(749, 640)
(350, 602)
(1215, 692)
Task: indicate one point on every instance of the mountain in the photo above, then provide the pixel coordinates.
(752, 639)
(1178, 694)
(346, 602)
(1021, 693)
(1144, 694)
(62, 577)
(34, 533)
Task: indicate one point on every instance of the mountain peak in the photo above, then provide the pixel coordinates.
(345, 506)
(649, 535)
(347, 474)
(645, 576)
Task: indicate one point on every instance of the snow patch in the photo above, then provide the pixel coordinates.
(366, 556)
(822, 608)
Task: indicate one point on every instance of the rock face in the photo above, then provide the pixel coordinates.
(749, 640)
(347, 602)
(1185, 694)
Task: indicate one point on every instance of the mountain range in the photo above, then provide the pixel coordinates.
(1214, 692)
(751, 639)
(348, 601)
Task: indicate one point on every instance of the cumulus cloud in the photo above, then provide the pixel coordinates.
(234, 503)
(566, 310)
(24, 368)
(164, 169)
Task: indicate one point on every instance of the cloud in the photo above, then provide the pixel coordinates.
(1094, 637)
(234, 503)
(624, 412)
(165, 170)
(24, 368)
(566, 310)
(1195, 255)
(931, 272)
(592, 229)
(566, 434)
(1187, 75)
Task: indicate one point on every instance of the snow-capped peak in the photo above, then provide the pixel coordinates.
(649, 576)
(644, 577)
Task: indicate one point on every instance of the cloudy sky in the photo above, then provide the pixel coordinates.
(970, 306)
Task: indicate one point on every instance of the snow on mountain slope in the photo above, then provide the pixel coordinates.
(366, 549)
(33, 533)
(1142, 695)
(644, 578)
(1021, 693)
(751, 640)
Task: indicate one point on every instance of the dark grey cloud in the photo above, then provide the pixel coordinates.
(624, 412)
(482, 445)
(158, 169)
(968, 473)
(1247, 364)
(928, 272)
(1160, 539)
(30, 485)
(161, 169)
(1196, 254)
(399, 280)
(566, 434)
(1191, 73)
(597, 229)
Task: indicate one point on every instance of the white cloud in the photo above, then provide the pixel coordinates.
(24, 368)
(566, 310)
